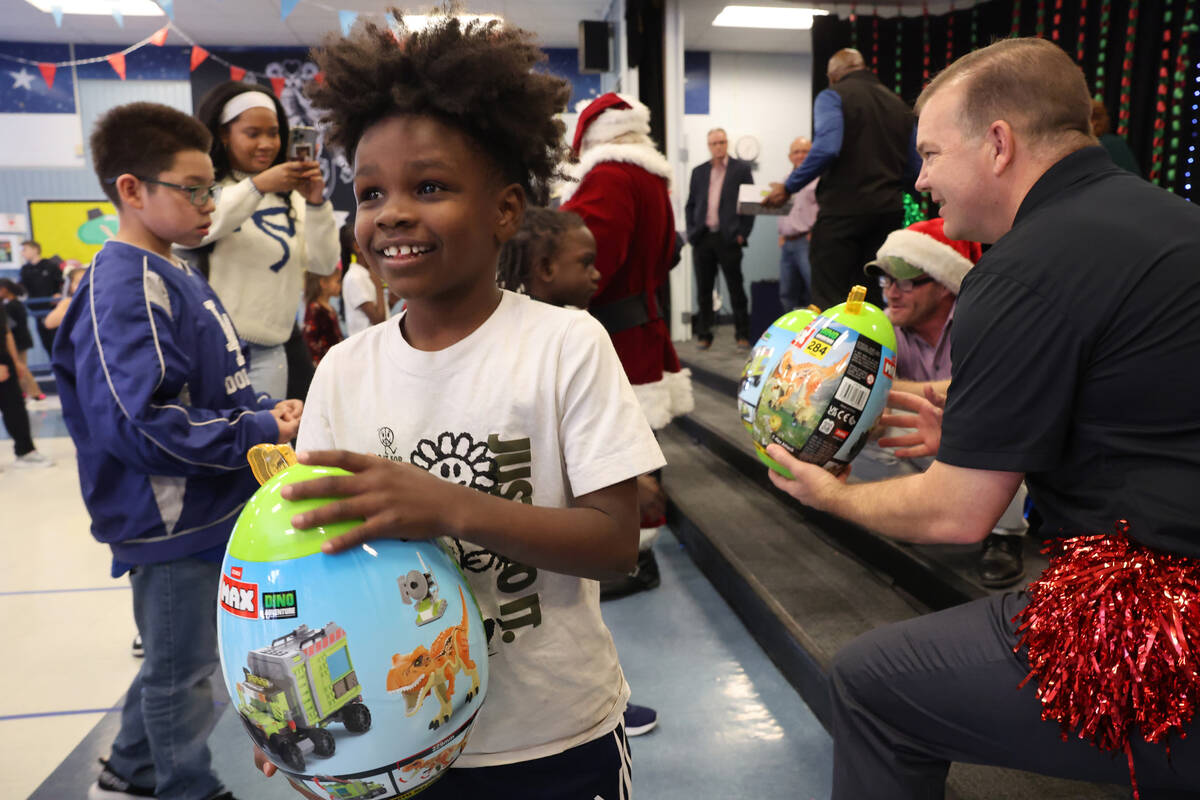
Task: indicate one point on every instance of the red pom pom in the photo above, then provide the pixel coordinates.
(1112, 629)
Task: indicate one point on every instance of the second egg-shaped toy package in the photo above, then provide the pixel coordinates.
(824, 390)
(358, 674)
(765, 357)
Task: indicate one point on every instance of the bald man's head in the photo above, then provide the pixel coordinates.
(843, 62)
(799, 150)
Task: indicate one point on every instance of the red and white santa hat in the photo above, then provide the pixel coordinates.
(922, 248)
(607, 117)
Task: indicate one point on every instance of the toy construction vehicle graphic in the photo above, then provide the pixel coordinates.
(420, 588)
(352, 790)
(296, 687)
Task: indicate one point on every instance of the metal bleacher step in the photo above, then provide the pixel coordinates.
(805, 583)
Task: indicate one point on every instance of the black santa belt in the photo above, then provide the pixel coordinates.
(621, 315)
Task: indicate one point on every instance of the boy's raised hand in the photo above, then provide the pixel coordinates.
(396, 500)
(287, 417)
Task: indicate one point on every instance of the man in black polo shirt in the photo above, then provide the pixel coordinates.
(1076, 341)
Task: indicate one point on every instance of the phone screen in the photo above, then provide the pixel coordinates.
(302, 144)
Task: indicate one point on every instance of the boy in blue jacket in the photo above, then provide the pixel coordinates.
(156, 396)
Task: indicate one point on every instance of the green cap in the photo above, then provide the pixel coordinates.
(264, 529)
(895, 266)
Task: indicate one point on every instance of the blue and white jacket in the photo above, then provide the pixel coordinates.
(156, 396)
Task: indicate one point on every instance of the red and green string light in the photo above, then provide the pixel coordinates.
(1127, 70)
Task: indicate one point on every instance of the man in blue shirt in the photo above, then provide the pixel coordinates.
(863, 152)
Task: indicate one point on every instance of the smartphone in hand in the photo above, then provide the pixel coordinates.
(302, 143)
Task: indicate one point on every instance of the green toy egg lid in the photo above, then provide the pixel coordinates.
(264, 529)
(867, 319)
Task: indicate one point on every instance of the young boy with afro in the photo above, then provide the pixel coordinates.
(511, 428)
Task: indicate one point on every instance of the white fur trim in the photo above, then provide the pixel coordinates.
(939, 261)
(666, 399)
(640, 155)
(612, 122)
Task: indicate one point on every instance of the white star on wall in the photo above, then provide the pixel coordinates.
(22, 79)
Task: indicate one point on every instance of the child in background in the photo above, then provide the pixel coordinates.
(321, 329)
(74, 272)
(552, 259)
(364, 297)
(157, 401)
(520, 434)
(18, 321)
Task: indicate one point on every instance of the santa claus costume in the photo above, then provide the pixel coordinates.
(623, 198)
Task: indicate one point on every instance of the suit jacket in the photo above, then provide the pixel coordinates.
(732, 224)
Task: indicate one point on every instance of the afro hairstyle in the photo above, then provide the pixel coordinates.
(476, 77)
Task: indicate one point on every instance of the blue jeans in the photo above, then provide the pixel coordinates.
(268, 369)
(795, 275)
(168, 712)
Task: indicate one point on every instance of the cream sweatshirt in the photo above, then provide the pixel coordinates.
(257, 266)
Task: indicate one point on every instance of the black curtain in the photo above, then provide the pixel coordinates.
(1158, 129)
(644, 24)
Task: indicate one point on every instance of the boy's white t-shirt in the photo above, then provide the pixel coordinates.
(533, 406)
(357, 288)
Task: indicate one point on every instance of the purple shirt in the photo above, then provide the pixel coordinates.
(804, 212)
(917, 360)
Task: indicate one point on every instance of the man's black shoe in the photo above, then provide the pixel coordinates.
(644, 576)
(1000, 563)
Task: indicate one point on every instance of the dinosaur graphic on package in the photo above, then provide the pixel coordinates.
(433, 670)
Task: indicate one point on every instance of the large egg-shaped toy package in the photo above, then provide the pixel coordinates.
(765, 357)
(821, 389)
(358, 674)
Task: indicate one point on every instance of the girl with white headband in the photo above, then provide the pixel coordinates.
(272, 224)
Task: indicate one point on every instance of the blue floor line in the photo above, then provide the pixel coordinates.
(65, 591)
(37, 714)
(218, 704)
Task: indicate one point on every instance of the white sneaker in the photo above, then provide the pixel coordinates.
(32, 459)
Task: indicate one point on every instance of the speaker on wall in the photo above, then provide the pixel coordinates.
(594, 47)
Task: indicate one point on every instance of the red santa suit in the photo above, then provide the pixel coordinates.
(623, 198)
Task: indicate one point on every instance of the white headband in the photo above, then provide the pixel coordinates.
(244, 102)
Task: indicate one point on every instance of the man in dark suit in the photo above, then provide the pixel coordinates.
(717, 234)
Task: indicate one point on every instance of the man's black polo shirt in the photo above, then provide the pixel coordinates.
(1076, 355)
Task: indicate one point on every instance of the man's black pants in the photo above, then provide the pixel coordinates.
(12, 411)
(708, 253)
(841, 247)
(910, 698)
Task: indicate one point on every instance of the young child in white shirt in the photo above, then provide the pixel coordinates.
(504, 424)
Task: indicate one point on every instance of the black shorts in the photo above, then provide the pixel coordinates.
(598, 770)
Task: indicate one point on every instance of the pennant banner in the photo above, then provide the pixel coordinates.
(347, 20)
(48, 71)
(198, 56)
(117, 60)
(277, 84)
(57, 12)
(286, 7)
(160, 36)
(168, 7)
(119, 17)
(236, 73)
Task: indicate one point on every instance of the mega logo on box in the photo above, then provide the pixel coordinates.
(238, 598)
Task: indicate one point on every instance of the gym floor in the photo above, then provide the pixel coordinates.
(729, 724)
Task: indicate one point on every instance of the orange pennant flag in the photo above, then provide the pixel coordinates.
(319, 78)
(117, 62)
(236, 73)
(160, 36)
(277, 84)
(198, 56)
(48, 71)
